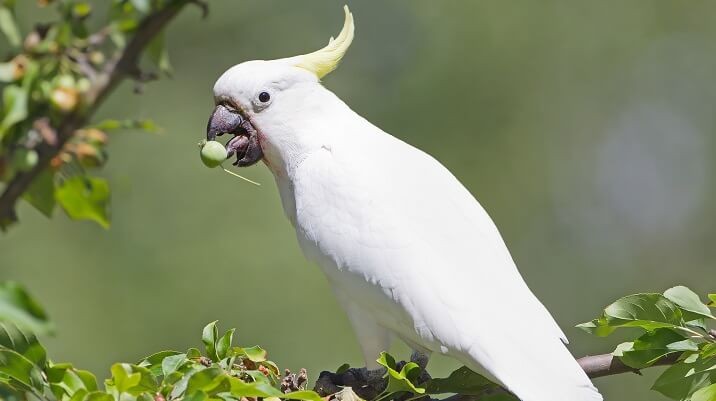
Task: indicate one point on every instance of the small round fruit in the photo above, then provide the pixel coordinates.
(64, 98)
(25, 159)
(213, 154)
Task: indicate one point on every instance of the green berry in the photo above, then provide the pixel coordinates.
(25, 159)
(213, 154)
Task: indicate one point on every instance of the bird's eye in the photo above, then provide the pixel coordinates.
(264, 97)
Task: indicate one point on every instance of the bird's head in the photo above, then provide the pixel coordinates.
(263, 103)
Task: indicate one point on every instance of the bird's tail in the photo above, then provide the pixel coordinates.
(547, 373)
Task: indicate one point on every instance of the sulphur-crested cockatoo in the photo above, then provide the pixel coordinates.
(407, 249)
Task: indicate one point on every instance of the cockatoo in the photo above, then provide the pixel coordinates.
(408, 251)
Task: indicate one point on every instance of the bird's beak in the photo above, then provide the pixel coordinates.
(245, 141)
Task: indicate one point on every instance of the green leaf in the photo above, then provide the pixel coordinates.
(712, 298)
(123, 380)
(196, 396)
(688, 301)
(180, 384)
(18, 307)
(649, 311)
(85, 198)
(41, 193)
(171, 363)
(646, 311)
(88, 379)
(157, 358)
(15, 99)
(623, 347)
(461, 381)
(223, 345)
(403, 380)
(20, 370)
(98, 396)
(700, 323)
(254, 389)
(25, 344)
(193, 353)
(55, 372)
(598, 327)
(257, 376)
(8, 26)
(155, 361)
(708, 350)
(66, 380)
(306, 395)
(255, 353)
(343, 368)
(705, 394)
(132, 379)
(209, 337)
(210, 380)
(78, 395)
(679, 381)
(652, 346)
(159, 54)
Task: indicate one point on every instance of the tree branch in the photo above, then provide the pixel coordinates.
(115, 72)
(607, 365)
(595, 366)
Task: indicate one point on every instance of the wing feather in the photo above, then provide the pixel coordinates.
(459, 283)
(400, 226)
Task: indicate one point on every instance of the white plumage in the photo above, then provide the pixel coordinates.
(407, 249)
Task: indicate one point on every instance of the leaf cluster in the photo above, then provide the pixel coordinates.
(223, 373)
(51, 77)
(673, 324)
(676, 325)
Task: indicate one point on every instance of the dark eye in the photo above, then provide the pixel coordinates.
(264, 97)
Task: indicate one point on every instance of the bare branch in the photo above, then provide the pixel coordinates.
(595, 366)
(106, 81)
(608, 365)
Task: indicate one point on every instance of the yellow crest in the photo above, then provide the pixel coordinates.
(325, 60)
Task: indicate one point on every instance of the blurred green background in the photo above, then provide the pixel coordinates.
(586, 129)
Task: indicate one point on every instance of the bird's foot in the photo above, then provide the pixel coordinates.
(366, 383)
(421, 359)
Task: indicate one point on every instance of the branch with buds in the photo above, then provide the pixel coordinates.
(77, 109)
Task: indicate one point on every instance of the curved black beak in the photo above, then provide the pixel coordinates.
(222, 121)
(245, 142)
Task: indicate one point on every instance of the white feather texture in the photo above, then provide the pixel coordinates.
(407, 249)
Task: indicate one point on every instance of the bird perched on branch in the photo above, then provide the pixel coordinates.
(407, 249)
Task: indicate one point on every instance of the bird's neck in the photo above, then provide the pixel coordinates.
(311, 123)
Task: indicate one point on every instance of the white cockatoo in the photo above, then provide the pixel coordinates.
(407, 249)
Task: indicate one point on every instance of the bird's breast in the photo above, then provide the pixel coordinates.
(341, 226)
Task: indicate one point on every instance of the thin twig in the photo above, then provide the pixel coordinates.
(608, 365)
(83, 64)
